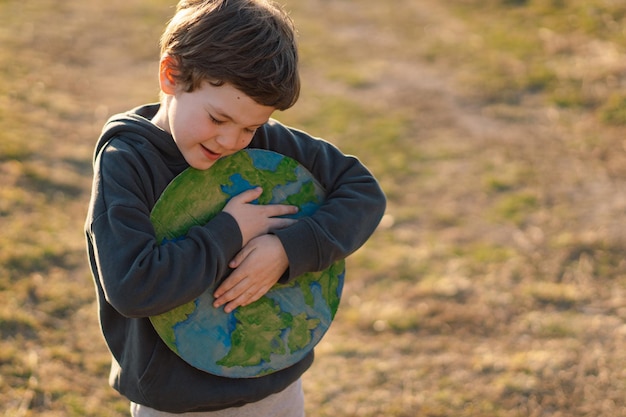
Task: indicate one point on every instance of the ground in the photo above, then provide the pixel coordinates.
(495, 285)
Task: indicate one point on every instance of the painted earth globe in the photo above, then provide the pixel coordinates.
(280, 328)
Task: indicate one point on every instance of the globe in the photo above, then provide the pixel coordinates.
(281, 327)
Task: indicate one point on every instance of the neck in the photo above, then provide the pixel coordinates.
(161, 119)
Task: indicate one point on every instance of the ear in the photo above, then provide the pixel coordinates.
(167, 74)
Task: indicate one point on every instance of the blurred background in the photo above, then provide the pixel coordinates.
(496, 283)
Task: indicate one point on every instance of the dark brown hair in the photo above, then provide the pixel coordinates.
(249, 44)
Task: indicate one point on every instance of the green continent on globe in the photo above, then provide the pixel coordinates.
(305, 195)
(330, 284)
(169, 320)
(173, 218)
(257, 334)
(300, 331)
(327, 281)
(284, 173)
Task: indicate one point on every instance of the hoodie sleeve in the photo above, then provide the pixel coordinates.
(354, 203)
(139, 276)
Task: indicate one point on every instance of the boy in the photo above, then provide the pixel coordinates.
(226, 66)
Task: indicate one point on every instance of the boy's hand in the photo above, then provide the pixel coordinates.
(258, 266)
(256, 220)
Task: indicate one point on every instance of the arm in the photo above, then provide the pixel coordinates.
(142, 277)
(353, 208)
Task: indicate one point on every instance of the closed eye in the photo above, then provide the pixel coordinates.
(218, 122)
(215, 121)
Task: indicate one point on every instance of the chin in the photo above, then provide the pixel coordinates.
(204, 166)
(200, 163)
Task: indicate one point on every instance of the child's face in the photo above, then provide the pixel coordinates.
(211, 122)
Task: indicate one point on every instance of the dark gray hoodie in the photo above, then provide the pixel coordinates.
(137, 277)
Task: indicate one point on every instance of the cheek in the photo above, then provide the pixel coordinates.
(245, 142)
(192, 131)
(186, 121)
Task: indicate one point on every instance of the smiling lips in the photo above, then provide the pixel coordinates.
(210, 154)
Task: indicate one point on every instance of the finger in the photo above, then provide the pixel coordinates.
(229, 284)
(227, 297)
(245, 299)
(240, 257)
(249, 195)
(274, 210)
(237, 297)
(237, 260)
(239, 294)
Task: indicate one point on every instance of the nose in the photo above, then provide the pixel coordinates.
(230, 138)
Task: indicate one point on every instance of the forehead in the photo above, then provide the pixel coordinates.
(232, 104)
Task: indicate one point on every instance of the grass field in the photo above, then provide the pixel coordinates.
(496, 283)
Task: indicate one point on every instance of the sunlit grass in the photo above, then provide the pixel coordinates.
(543, 53)
(495, 284)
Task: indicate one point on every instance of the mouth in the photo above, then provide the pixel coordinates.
(209, 154)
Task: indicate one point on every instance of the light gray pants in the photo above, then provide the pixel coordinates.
(287, 403)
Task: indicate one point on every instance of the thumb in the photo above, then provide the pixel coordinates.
(237, 260)
(241, 255)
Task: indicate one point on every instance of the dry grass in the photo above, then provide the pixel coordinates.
(496, 284)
